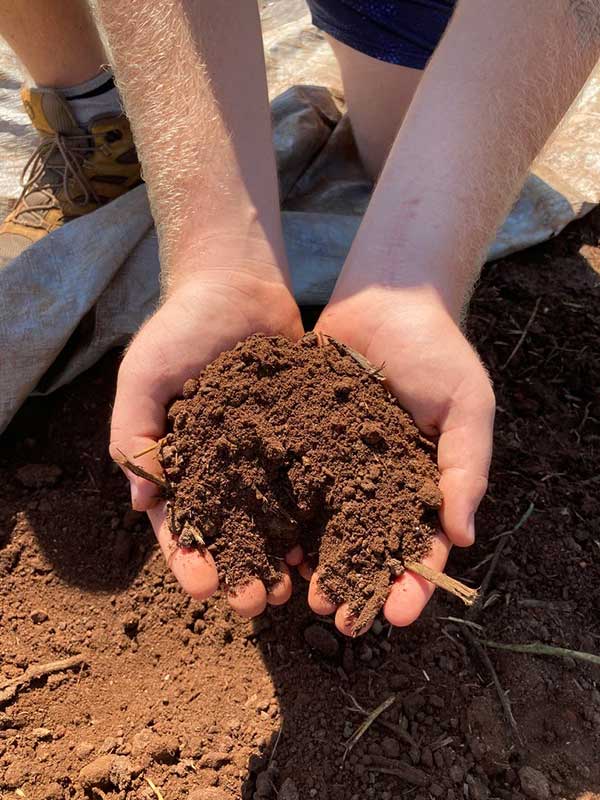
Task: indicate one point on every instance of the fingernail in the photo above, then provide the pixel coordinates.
(134, 497)
(471, 528)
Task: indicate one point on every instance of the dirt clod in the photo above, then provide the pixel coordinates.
(106, 771)
(322, 640)
(280, 443)
(162, 749)
(534, 783)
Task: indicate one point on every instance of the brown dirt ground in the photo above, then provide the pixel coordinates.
(280, 443)
(192, 699)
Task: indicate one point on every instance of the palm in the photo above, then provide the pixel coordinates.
(438, 378)
(186, 334)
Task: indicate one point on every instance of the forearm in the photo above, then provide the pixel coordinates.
(500, 81)
(193, 81)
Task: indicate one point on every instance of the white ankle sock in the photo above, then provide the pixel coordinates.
(97, 97)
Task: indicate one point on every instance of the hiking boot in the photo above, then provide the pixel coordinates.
(73, 170)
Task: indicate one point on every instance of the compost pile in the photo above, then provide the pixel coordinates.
(280, 443)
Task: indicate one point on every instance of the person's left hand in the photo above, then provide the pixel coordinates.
(439, 379)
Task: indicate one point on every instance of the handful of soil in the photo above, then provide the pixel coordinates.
(279, 443)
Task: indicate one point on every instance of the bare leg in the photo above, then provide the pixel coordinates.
(56, 40)
(378, 95)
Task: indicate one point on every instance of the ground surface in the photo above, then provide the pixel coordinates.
(192, 699)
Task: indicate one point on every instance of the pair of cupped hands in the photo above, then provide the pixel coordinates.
(428, 364)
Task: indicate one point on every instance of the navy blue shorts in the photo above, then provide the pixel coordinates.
(402, 32)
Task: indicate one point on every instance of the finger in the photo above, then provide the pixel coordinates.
(138, 421)
(345, 622)
(295, 556)
(410, 593)
(282, 591)
(195, 570)
(249, 600)
(305, 570)
(317, 600)
(464, 453)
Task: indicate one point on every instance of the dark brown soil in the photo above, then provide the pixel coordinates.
(280, 443)
(194, 699)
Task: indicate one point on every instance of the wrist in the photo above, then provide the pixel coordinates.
(226, 257)
(392, 286)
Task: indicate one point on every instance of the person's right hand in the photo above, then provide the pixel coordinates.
(200, 318)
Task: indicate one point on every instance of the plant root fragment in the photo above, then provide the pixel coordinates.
(142, 473)
(540, 649)
(465, 593)
(364, 726)
(10, 689)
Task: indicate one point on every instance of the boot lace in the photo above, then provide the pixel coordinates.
(55, 165)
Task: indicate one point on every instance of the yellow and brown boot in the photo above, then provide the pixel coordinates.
(73, 170)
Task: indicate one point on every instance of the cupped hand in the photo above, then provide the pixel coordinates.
(202, 317)
(437, 376)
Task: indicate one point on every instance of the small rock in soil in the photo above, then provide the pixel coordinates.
(35, 476)
(106, 771)
(84, 750)
(534, 783)
(322, 640)
(41, 734)
(37, 617)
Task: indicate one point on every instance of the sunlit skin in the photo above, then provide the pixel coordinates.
(447, 179)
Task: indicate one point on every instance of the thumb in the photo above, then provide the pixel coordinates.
(464, 453)
(138, 422)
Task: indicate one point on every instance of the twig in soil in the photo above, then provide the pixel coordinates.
(142, 473)
(468, 622)
(465, 593)
(154, 788)
(517, 347)
(9, 689)
(540, 649)
(395, 729)
(502, 696)
(474, 613)
(364, 726)
(375, 372)
(274, 750)
(523, 519)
